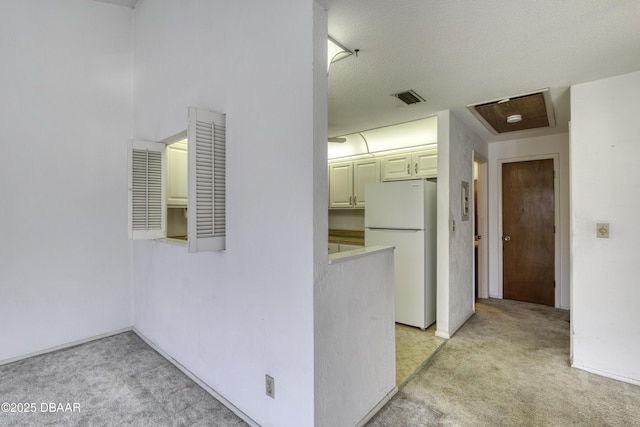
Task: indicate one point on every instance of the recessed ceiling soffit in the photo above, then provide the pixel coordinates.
(531, 110)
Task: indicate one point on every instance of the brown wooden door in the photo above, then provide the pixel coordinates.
(528, 231)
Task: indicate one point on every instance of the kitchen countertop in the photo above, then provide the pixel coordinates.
(357, 253)
(347, 237)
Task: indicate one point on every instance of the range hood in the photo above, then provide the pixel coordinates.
(407, 135)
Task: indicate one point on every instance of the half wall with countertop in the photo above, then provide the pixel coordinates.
(354, 334)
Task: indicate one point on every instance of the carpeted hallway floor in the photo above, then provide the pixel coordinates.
(509, 366)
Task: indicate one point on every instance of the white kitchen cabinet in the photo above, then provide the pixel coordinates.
(364, 172)
(177, 173)
(418, 164)
(347, 181)
(341, 185)
(425, 163)
(334, 248)
(397, 166)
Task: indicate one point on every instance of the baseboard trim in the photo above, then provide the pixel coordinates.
(377, 408)
(63, 346)
(197, 380)
(452, 331)
(441, 334)
(461, 323)
(607, 374)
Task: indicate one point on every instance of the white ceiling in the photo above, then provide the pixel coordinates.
(455, 53)
(126, 3)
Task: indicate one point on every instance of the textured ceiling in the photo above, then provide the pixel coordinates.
(455, 53)
(126, 3)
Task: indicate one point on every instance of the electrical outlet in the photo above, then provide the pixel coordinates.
(270, 386)
(602, 230)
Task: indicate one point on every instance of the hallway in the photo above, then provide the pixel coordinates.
(509, 365)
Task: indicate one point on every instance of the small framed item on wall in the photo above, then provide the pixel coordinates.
(465, 201)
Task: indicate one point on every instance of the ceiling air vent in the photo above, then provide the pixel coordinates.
(409, 97)
(521, 112)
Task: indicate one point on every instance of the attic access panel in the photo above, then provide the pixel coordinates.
(535, 109)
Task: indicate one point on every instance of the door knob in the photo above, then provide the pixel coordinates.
(506, 238)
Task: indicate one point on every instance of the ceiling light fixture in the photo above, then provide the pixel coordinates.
(514, 118)
(338, 139)
(336, 52)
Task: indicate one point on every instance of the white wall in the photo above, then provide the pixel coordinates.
(65, 261)
(346, 219)
(455, 294)
(552, 146)
(231, 317)
(605, 148)
(355, 339)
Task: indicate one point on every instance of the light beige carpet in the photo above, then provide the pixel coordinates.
(509, 366)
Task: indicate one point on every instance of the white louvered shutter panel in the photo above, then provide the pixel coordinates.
(147, 204)
(207, 188)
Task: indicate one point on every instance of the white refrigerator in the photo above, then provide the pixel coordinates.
(403, 214)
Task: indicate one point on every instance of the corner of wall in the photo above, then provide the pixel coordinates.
(442, 292)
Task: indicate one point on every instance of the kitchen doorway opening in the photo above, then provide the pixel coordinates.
(480, 227)
(177, 189)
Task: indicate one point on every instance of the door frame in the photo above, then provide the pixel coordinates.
(483, 226)
(556, 218)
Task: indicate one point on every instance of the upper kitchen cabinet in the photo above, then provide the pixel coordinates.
(341, 185)
(425, 163)
(418, 164)
(347, 181)
(177, 166)
(364, 172)
(396, 167)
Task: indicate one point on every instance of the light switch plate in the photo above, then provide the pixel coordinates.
(602, 230)
(270, 386)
